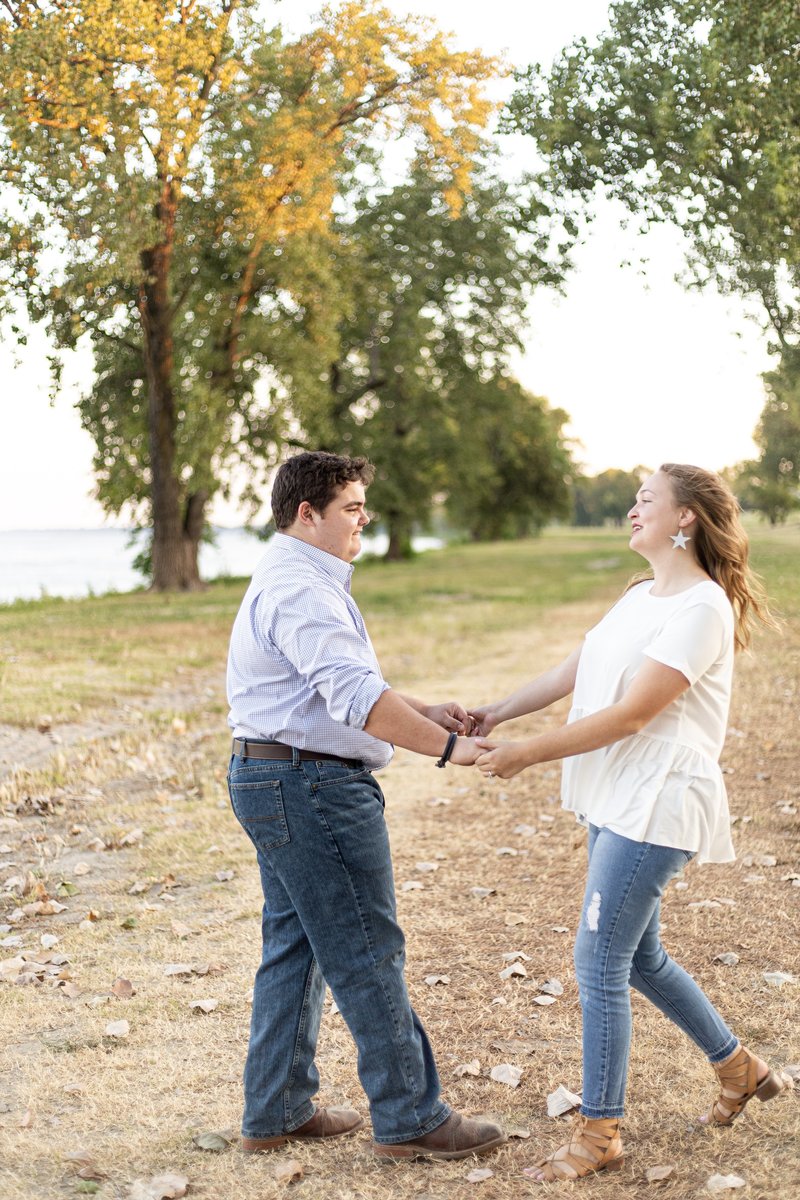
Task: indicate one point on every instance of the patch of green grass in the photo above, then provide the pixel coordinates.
(75, 659)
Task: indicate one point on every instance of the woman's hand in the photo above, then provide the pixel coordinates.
(501, 759)
(484, 720)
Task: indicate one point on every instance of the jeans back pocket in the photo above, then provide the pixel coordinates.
(258, 805)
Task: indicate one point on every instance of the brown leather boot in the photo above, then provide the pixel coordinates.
(325, 1123)
(457, 1137)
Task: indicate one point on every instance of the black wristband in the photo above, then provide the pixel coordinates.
(448, 750)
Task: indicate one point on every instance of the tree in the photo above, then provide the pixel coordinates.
(689, 111)
(184, 161)
(771, 483)
(605, 497)
(509, 465)
(438, 304)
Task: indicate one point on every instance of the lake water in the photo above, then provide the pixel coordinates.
(79, 562)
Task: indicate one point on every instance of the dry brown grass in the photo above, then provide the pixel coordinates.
(135, 1104)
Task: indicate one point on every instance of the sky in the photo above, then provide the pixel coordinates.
(648, 371)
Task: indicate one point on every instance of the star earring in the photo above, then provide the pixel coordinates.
(679, 540)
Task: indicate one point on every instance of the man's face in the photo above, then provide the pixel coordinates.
(338, 528)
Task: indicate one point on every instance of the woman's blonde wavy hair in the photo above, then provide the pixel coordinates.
(721, 545)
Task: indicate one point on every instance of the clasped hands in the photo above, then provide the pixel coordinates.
(492, 758)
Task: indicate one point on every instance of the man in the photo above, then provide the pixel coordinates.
(312, 717)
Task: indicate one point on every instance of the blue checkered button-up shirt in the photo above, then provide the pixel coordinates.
(301, 667)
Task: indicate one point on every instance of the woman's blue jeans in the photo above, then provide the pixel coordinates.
(618, 947)
(329, 915)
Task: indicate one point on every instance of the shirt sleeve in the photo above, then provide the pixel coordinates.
(690, 642)
(314, 630)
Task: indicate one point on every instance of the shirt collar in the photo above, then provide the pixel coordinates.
(337, 568)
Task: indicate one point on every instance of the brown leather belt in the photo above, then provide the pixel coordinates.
(277, 752)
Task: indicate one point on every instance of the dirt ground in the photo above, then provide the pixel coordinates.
(128, 828)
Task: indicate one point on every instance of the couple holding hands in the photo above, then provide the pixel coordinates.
(313, 719)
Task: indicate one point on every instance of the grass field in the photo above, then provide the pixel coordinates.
(125, 822)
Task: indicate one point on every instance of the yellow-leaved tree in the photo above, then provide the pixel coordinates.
(172, 168)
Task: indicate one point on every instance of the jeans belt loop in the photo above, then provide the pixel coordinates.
(295, 757)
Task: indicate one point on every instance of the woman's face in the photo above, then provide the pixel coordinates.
(655, 517)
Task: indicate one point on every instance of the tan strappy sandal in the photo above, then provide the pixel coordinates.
(595, 1145)
(738, 1084)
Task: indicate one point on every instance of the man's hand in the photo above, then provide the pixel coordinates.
(483, 720)
(501, 759)
(465, 752)
(451, 717)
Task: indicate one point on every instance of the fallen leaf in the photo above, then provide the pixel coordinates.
(45, 723)
(129, 923)
(470, 1068)
(514, 1046)
(656, 1174)
(438, 802)
(70, 990)
(289, 1171)
(482, 892)
(560, 928)
(212, 1141)
(512, 918)
(543, 1000)
(123, 989)
(725, 1183)
(432, 980)
(727, 958)
(514, 968)
(224, 876)
(180, 930)
(160, 1187)
(97, 844)
(514, 1132)
(26, 1120)
(704, 904)
(117, 1029)
(552, 987)
(411, 885)
(178, 969)
(479, 1174)
(778, 978)
(84, 1166)
(506, 851)
(81, 868)
(511, 955)
(506, 1073)
(48, 940)
(130, 839)
(426, 866)
(138, 887)
(205, 1006)
(561, 1101)
(524, 830)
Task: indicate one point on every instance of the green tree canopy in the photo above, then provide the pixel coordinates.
(510, 463)
(175, 168)
(438, 303)
(689, 111)
(771, 483)
(605, 497)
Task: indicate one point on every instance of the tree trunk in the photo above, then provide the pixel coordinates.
(176, 537)
(399, 547)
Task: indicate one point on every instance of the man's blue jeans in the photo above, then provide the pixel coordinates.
(618, 947)
(329, 916)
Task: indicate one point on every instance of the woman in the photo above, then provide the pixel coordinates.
(652, 688)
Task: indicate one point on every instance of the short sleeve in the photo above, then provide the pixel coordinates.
(690, 641)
